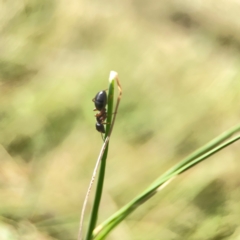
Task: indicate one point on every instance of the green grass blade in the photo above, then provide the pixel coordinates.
(215, 142)
(99, 188)
(203, 153)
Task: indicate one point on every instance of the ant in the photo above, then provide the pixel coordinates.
(100, 102)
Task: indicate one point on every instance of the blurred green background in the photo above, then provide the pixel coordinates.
(179, 66)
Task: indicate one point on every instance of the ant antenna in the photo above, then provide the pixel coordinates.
(113, 76)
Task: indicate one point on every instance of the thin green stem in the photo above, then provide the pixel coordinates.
(210, 145)
(98, 194)
(102, 157)
(201, 154)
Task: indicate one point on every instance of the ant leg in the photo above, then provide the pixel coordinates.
(105, 123)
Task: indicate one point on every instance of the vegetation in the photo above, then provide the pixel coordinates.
(178, 62)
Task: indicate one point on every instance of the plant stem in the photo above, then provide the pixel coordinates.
(201, 154)
(99, 188)
(102, 156)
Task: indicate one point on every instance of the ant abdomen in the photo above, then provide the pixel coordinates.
(100, 100)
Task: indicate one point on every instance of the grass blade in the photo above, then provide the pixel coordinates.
(198, 156)
(101, 158)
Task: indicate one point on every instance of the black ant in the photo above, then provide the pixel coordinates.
(100, 102)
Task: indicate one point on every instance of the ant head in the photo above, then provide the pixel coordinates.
(100, 127)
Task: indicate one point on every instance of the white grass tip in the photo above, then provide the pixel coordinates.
(112, 76)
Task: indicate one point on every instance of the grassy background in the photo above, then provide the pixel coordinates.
(179, 65)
